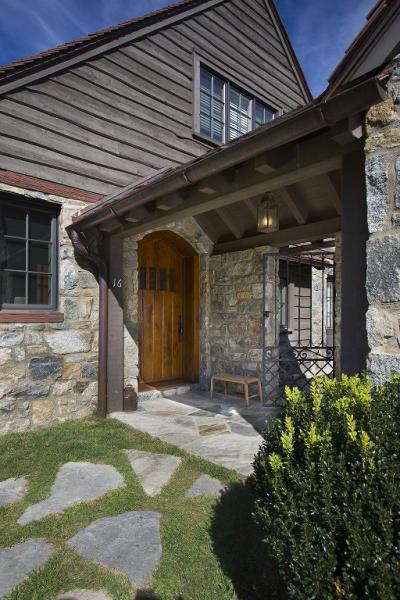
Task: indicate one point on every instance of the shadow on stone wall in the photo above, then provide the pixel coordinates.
(238, 546)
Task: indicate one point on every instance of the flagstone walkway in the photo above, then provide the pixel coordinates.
(223, 431)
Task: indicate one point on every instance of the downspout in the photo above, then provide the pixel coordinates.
(102, 267)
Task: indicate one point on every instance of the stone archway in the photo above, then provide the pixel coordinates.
(191, 232)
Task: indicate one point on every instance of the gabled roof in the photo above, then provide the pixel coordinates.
(376, 43)
(66, 54)
(97, 40)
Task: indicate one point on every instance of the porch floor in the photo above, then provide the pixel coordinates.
(223, 430)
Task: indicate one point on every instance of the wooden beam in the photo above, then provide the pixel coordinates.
(111, 224)
(293, 235)
(263, 165)
(137, 214)
(348, 130)
(239, 190)
(251, 207)
(213, 185)
(333, 192)
(207, 226)
(298, 211)
(231, 223)
(169, 202)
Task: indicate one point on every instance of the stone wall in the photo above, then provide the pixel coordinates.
(383, 247)
(49, 371)
(236, 310)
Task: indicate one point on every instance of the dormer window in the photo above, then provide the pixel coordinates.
(225, 111)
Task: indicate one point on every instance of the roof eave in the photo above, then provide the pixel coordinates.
(289, 128)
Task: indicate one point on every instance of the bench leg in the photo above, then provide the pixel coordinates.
(260, 390)
(225, 389)
(246, 393)
(212, 388)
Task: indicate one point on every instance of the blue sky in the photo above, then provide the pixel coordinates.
(320, 30)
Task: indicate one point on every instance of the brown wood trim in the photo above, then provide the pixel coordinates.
(31, 316)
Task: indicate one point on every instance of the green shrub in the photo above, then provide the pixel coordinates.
(327, 489)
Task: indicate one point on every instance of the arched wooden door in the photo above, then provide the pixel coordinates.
(168, 323)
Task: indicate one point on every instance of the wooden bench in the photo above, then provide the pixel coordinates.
(243, 380)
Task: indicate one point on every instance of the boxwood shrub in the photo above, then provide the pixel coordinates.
(327, 490)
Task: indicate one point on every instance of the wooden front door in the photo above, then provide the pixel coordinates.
(161, 309)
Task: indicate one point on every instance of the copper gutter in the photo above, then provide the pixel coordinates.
(79, 244)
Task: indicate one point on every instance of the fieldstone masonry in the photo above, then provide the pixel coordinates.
(49, 371)
(236, 312)
(383, 247)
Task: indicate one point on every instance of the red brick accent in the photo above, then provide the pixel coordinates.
(48, 187)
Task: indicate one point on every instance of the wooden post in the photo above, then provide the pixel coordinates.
(354, 345)
(115, 362)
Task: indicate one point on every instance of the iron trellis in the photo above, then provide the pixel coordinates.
(298, 324)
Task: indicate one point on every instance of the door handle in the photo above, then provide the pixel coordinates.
(180, 327)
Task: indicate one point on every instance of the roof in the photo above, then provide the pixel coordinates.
(380, 15)
(76, 49)
(95, 39)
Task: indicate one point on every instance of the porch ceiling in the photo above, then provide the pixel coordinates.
(303, 177)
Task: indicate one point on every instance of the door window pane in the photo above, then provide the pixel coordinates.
(172, 283)
(13, 291)
(39, 257)
(15, 257)
(153, 278)
(142, 278)
(163, 280)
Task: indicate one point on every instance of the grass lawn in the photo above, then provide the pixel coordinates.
(211, 548)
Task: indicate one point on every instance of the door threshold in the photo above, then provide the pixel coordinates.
(160, 386)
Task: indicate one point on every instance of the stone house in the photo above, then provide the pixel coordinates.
(173, 204)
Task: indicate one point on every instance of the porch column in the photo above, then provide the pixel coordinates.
(353, 336)
(115, 362)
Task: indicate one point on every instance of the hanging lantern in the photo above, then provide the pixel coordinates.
(267, 215)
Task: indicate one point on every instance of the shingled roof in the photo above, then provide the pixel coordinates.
(92, 40)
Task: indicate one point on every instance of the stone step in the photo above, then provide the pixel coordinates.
(168, 392)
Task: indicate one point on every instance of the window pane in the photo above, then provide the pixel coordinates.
(14, 255)
(13, 291)
(40, 257)
(205, 80)
(14, 221)
(263, 114)
(39, 289)
(218, 88)
(40, 226)
(205, 114)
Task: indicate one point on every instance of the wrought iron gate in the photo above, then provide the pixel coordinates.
(299, 318)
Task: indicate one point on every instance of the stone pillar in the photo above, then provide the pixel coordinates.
(383, 246)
